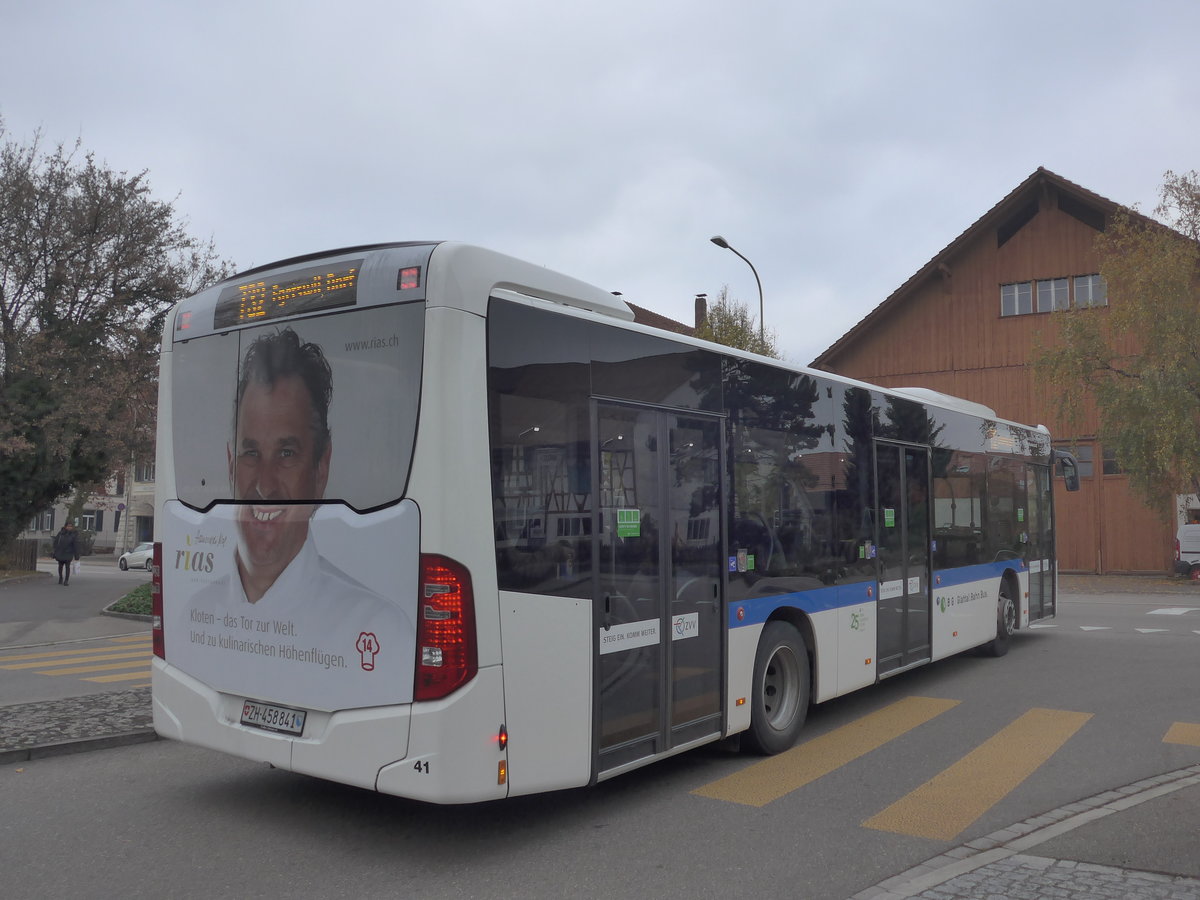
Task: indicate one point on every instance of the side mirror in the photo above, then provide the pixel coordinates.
(1065, 461)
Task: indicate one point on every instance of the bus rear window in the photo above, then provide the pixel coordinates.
(312, 409)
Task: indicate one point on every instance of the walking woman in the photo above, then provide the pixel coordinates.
(66, 549)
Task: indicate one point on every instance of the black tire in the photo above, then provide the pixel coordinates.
(124, 565)
(149, 563)
(780, 692)
(1006, 622)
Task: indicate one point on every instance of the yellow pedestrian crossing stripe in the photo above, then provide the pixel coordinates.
(950, 802)
(759, 784)
(119, 659)
(50, 659)
(1183, 733)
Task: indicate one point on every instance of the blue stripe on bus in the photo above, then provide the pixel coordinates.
(757, 610)
(981, 572)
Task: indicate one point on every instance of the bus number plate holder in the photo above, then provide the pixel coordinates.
(280, 719)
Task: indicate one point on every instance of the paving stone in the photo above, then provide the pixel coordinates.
(109, 716)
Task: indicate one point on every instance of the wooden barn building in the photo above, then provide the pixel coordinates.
(967, 324)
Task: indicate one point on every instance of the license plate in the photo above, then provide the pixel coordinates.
(273, 718)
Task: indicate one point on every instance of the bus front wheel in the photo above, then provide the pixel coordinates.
(1006, 621)
(780, 691)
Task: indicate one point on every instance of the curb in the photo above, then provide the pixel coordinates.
(1018, 839)
(135, 617)
(83, 745)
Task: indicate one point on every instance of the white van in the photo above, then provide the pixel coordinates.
(1187, 551)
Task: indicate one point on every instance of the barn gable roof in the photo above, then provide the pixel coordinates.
(1005, 219)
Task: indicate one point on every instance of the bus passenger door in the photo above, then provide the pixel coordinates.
(1040, 546)
(659, 578)
(903, 547)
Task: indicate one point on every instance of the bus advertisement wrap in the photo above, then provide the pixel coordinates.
(318, 638)
(280, 588)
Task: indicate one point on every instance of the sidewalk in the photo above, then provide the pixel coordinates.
(1138, 842)
(75, 724)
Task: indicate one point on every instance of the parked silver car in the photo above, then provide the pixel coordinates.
(141, 555)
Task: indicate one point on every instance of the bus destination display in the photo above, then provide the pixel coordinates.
(301, 291)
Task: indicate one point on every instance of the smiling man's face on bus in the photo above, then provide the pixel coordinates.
(280, 454)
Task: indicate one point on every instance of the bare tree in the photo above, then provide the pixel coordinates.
(90, 262)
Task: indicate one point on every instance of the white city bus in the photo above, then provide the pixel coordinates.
(451, 526)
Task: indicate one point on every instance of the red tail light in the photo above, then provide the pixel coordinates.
(1177, 554)
(446, 651)
(156, 600)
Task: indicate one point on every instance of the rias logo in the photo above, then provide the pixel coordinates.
(195, 558)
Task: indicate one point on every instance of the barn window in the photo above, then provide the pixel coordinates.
(1052, 294)
(1016, 299)
(1090, 290)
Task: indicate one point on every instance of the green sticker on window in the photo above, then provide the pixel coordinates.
(889, 518)
(629, 523)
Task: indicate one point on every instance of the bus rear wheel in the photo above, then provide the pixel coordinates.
(780, 692)
(1006, 621)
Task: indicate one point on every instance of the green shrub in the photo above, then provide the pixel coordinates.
(136, 602)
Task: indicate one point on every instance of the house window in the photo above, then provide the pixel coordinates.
(1110, 464)
(89, 520)
(1090, 290)
(145, 472)
(1052, 294)
(48, 520)
(1016, 299)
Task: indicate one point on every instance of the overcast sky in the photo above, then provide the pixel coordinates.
(838, 145)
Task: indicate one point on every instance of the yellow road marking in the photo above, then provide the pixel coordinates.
(133, 638)
(949, 802)
(763, 782)
(55, 659)
(124, 676)
(54, 654)
(1183, 733)
(75, 670)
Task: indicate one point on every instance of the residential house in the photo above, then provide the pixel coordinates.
(117, 518)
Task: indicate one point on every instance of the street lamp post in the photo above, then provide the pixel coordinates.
(724, 245)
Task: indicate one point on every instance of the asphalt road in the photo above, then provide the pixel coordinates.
(39, 614)
(1099, 699)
